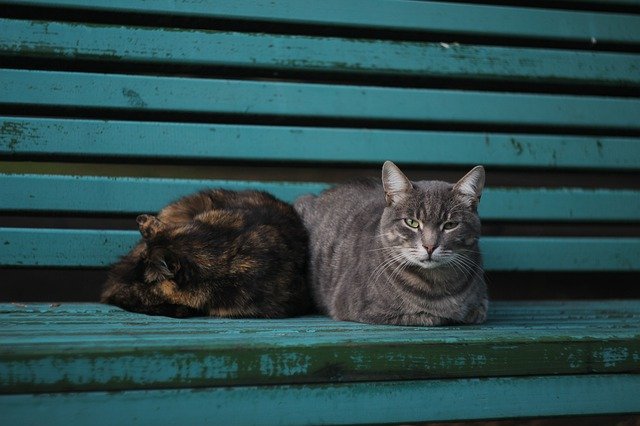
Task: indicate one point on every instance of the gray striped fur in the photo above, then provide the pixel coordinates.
(396, 251)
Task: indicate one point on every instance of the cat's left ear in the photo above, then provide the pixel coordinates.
(149, 226)
(396, 185)
(472, 184)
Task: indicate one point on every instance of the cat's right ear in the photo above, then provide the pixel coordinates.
(471, 185)
(149, 226)
(395, 183)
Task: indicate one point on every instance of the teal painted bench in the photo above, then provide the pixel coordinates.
(110, 109)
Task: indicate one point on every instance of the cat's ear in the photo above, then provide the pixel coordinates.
(395, 183)
(149, 226)
(472, 184)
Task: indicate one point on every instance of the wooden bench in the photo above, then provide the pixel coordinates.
(110, 109)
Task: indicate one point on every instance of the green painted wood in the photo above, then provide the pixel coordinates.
(99, 248)
(119, 195)
(189, 95)
(215, 48)
(606, 3)
(353, 403)
(122, 194)
(561, 254)
(90, 347)
(439, 17)
(565, 204)
(82, 138)
(61, 247)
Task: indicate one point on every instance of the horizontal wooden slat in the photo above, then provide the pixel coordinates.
(545, 317)
(355, 403)
(49, 348)
(438, 17)
(99, 248)
(82, 138)
(564, 204)
(121, 195)
(215, 48)
(605, 3)
(561, 254)
(189, 95)
(61, 247)
(93, 194)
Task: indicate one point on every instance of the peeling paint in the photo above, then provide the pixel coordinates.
(133, 98)
(11, 133)
(284, 364)
(612, 356)
(517, 146)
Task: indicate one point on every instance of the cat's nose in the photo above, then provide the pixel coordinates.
(430, 249)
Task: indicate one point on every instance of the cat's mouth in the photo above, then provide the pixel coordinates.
(430, 263)
(424, 260)
(435, 260)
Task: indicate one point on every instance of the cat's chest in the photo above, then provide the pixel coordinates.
(417, 295)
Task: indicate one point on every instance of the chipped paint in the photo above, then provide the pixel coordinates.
(517, 146)
(11, 134)
(290, 364)
(612, 356)
(133, 98)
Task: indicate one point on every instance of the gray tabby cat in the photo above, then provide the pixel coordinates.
(399, 252)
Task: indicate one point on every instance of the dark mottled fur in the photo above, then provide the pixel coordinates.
(218, 253)
(369, 265)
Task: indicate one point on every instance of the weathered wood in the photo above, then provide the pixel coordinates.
(450, 19)
(313, 101)
(119, 195)
(99, 248)
(295, 53)
(96, 347)
(100, 138)
(350, 403)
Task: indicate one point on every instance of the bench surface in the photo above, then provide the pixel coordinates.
(531, 353)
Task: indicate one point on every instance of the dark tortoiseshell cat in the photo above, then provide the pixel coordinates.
(218, 253)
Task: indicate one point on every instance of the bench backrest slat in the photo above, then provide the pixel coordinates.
(99, 248)
(299, 100)
(71, 41)
(23, 136)
(117, 195)
(432, 17)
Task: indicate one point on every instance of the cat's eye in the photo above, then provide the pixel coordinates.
(412, 223)
(450, 225)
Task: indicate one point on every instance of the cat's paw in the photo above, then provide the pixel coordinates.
(166, 289)
(476, 315)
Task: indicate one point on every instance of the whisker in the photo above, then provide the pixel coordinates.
(470, 265)
(390, 248)
(386, 263)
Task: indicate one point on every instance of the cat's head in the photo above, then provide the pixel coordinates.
(173, 252)
(432, 223)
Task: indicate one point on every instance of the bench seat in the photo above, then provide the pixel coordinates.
(531, 358)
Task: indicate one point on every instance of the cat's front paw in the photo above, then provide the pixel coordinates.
(476, 315)
(166, 289)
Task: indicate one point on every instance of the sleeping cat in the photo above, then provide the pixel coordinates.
(218, 253)
(397, 252)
